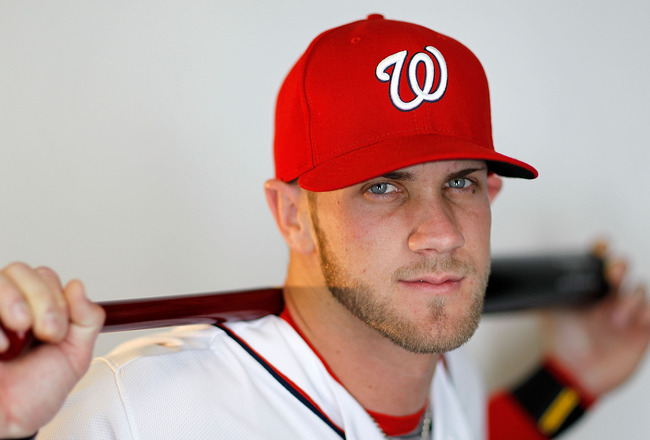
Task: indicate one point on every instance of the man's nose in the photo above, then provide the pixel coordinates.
(435, 229)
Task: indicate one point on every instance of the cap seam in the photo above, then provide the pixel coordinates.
(385, 136)
(361, 147)
(309, 53)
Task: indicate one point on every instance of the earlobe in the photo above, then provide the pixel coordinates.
(494, 184)
(288, 208)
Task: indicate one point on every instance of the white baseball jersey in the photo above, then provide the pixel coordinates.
(250, 380)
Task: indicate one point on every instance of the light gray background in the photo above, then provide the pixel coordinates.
(136, 137)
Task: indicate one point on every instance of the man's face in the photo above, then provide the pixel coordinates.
(408, 252)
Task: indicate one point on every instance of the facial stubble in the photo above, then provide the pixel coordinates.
(440, 333)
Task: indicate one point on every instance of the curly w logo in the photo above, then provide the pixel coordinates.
(423, 92)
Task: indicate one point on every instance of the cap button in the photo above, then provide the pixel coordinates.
(375, 17)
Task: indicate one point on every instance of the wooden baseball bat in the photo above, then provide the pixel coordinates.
(515, 283)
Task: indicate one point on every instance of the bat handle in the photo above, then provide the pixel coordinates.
(18, 343)
(147, 313)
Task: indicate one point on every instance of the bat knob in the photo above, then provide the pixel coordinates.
(19, 342)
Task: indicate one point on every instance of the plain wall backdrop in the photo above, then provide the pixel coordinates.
(136, 138)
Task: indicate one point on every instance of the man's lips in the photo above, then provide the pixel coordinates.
(440, 283)
(434, 279)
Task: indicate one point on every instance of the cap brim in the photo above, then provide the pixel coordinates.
(388, 155)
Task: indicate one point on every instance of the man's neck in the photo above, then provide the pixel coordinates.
(382, 376)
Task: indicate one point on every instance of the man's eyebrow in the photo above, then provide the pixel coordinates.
(399, 175)
(410, 177)
(465, 172)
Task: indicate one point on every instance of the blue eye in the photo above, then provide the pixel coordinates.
(382, 188)
(459, 183)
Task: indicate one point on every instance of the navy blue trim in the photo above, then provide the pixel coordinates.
(289, 387)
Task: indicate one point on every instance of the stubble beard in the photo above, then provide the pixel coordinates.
(439, 334)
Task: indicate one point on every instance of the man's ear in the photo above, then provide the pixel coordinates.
(289, 208)
(494, 184)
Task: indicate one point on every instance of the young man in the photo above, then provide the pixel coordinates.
(385, 171)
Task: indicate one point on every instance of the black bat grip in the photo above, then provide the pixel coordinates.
(544, 281)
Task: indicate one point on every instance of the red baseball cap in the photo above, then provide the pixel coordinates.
(378, 95)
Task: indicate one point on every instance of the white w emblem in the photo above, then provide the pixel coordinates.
(424, 93)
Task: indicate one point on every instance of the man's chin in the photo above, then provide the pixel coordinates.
(442, 331)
